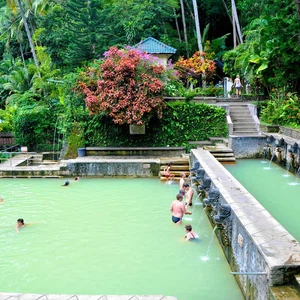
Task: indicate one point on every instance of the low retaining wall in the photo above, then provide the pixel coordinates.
(135, 151)
(247, 146)
(256, 242)
(84, 166)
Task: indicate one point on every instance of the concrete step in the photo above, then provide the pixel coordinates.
(212, 151)
(244, 114)
(244, 127)
(174, 160)
(177, 168)
(200, 143)
(284, 292)
(248, 133)
(175, 173)
(216, 139)
(242, 120)
(226, 159)
(223, 154)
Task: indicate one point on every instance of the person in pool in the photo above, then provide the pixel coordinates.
(20, 223)
(76, 178)
(1, 199)
(67, 182)
(178, 209)
(190, 234)
(182, 183)
(167, 172)
(189, 195)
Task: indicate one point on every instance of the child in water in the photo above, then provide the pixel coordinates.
(190, 234)
(20, 223)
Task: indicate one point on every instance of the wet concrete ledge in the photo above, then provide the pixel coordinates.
(133, 151)
(15, 296)
(259, 243)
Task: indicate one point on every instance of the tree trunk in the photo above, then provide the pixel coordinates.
(177, 26)
(200, 47)
(184, 28)
(28, 35)
(199, 38)
(235, 19)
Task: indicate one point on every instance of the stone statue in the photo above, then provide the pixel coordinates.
(195, 167)
(224, 212)
(223, 218)
(206, 182)
(213, 197)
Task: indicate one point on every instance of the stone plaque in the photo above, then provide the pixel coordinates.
(137, 129)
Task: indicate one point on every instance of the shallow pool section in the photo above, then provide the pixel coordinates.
(106, 236)
(276, 189)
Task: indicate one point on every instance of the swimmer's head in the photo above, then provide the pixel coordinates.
(76, 178)
(67, 182)
(179, 197)
(182, 174)
(21, 221)
(188, 227)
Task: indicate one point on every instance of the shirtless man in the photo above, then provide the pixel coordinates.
(181, 183)
(20, 223)
(178, 209)
(189, 195)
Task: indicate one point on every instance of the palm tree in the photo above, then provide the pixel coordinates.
(28, 34)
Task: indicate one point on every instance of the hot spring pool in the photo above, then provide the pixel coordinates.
(106, 236)
(276, 189)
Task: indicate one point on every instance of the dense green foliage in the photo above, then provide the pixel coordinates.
(181, 122)
(39, 66)
(269, 58)
(283, 110)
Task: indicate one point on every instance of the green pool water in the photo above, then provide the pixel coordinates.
(106, 236)
(275, 188)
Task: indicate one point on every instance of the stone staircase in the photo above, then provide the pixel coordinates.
(243, 122)
(222, 153)
(179, 165)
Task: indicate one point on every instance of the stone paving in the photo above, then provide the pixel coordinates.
(14, 296)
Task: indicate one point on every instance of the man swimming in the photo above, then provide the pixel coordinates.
(178, 209)
(20, 223)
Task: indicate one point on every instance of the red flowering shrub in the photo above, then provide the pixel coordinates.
(127, 86)
(195, 66)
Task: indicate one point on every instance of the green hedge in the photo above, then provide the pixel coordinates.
(181, 122)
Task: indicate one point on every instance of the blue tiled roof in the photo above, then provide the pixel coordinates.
(152, 46)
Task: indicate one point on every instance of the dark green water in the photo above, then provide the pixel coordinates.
(276, 189)
(106, 236)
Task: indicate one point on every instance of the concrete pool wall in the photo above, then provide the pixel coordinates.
(258, 244)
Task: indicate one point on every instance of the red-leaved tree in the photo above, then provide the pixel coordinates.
(127, 85)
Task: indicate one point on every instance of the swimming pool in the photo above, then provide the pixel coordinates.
(276, 189)
(106, 236)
